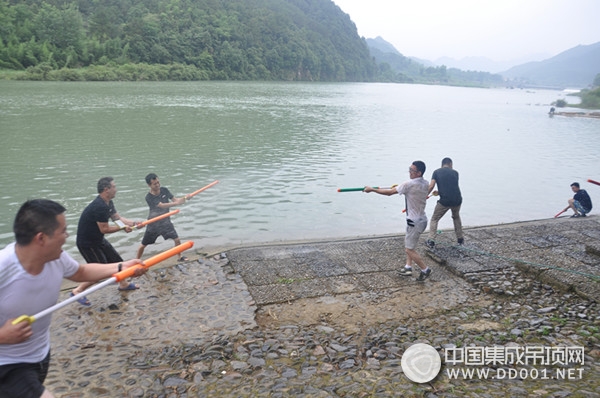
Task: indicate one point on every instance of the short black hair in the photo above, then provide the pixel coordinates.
(104, 183)
(34, 216)
(420, 166)
(150, 177)
(446, 161)
(575, 184)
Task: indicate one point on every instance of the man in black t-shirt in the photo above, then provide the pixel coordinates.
(446, 179)
(581, 203)
(160, 199)
(93, 225)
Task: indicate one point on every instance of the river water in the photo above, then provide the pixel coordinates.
(281, 150)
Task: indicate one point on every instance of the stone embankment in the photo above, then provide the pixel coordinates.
(595, 115)
(332, 319)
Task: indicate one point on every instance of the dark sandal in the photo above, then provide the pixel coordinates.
(83, 301)
(131, 286)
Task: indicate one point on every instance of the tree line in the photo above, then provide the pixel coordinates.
(182, 40)
(590, 98)
(108, 40)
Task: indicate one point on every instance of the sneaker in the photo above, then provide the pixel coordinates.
(405, 272)
(461, 241)
(424, 275)
(576, 215)
(430, 244)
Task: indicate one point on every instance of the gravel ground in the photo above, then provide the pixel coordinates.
(332, 319)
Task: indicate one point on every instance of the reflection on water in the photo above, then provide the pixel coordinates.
(280, 151)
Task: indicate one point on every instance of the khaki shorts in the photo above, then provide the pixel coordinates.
(414, 229)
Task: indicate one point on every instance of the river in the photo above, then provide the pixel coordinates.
(281, 150)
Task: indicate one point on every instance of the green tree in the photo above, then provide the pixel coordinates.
(61, 28)
(590, 99)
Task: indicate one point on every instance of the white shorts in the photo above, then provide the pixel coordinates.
(414, 229)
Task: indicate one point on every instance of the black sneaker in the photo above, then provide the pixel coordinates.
(430, 244)
(424, 275)
(405, 272)
(576, 215)
(461, 241)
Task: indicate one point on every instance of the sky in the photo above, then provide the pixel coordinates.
(501, 30)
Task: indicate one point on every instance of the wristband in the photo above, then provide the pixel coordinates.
(120, 267)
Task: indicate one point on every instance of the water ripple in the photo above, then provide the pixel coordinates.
(280, 152)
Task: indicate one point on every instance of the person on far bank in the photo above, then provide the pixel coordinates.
(446, 179)
(581, 203)
(415, 194)
(32, 269)
(93, 225)
(160, 199)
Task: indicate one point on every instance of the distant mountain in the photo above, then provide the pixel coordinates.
(425, 62)
(574, 68)
(386, 53)
(486, 64)
(395, 67)
(380, 44)
(482, 64)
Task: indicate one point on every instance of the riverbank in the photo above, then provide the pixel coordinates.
(595, 115)
(329, 319)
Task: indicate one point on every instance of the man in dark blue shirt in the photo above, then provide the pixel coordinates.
(446, 179)
(581, 202)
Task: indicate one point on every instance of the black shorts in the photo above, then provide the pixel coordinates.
(103, 253)
(24, 380)
(164, 229)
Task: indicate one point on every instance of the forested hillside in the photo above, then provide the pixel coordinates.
(301, 40)
(393, 66)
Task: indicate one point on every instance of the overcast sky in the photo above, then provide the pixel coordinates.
(502, 30)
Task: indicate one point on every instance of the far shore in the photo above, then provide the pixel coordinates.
(595, 115)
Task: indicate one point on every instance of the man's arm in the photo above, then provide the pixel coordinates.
(129, 224)
(381, 191)
(174, 202)
(95, 272)
(107, 228)
(431, 186)
(20, 332)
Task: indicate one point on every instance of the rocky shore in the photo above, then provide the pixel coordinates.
(332, 319)
(595, 115)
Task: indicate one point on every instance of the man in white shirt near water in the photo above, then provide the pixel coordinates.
(415, 192)
(31, 272)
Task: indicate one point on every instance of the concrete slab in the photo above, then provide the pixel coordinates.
(560, 251)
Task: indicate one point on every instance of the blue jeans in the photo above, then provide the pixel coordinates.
(580, 209)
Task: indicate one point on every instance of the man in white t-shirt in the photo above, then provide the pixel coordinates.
(415, 192)
(31, 273)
